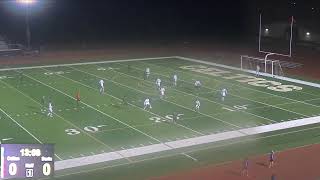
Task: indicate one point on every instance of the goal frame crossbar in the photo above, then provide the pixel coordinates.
(265, 61)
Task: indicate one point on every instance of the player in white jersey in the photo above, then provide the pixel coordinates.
(147, 104)
(158, 83)
(147, 73)
(224, 93)
(50, 110)
(197, 84)
(162, 90)
(197, 107)
(101, 83)
(175, 79)
(258, 70)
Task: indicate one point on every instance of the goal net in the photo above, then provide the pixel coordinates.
(268, 66)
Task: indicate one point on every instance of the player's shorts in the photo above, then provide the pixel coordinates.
(50, 110)
(162, 93)
(197, 106)
(224, 94)
(147, 104)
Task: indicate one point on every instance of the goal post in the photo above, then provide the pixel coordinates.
(266, 32)
(268, 66)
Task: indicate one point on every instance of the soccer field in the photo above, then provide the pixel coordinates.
(103, 126)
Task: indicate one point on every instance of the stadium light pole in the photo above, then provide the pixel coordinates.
(27, 4)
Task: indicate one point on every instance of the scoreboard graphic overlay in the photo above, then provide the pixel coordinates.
(27, 160)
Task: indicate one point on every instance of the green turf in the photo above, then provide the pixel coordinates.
(102, 123)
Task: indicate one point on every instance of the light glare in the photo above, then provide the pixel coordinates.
(26, 1)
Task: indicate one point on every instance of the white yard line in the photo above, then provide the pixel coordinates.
(151, 137)
(311, 84)
(282, 78)
(245, 97)
(92, 137)
(33, 136)
(206, 99)
(200, 149)
(225, 122)
(85, 63)
(197, 132)
(138, 151)
(167, 57)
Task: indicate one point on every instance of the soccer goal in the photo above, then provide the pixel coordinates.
(264, 65)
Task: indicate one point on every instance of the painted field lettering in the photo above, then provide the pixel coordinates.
(167, 117)
(55, 73)
(236, 108)
(90, 129)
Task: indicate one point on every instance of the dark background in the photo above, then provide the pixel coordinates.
(78, 21)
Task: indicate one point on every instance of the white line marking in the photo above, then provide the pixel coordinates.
(61, 118)
(190, 157)
(238, 97)
(253, 72)
(192, 142)
(86, 63)
(135, 90)
(24, 129)
(206, 99)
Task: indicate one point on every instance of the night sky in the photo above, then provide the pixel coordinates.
(111, 20)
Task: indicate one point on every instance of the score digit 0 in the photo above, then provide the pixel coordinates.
(13, 169)
(46, 169)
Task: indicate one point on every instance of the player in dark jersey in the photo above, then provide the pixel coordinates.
(271, 159)
(174, 117)
(245, 166)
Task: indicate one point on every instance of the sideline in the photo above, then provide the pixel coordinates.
(133, 152)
